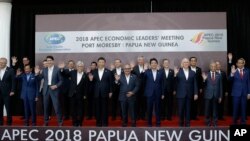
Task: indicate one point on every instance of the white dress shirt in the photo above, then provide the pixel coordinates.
(141, 69)
(193, 69)
(2, 71)
(50, 72)
(186, 71)
(118, 71)
(154, 74)
(100, 73)
(166, 72)
(79, 77)
(127, 78)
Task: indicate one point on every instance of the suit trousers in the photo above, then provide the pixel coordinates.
(56, 104)
(239, 109)
(29, 110)
(211, 105)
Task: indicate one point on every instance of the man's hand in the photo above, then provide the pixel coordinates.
(230, 57)
(129, 94)
(248, 96)
(37, 70)
(176, 70)
(12, 93)
(162, 97)
(53, 87)
(204, 76)
(110, 95)
(36, 99)
(195, 96)
(18, 72)
(233, 69)
(219, 100)
(61, 65)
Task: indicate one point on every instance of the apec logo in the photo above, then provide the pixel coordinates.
(54, 38)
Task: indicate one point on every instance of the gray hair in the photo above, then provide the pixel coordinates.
(79, 63)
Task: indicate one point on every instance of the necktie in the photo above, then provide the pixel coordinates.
(241, 73)
(28, 77)
(213, 76)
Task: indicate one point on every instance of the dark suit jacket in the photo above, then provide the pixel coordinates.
(66, 81)
(152, 85)
(79, 90)
(116, 87)
(105, 85)
(139, 75)
(186, 87)
(133, 86)
(224, 82)
(168, 82)
(30, 88)
(56, 79)
(199, 79)
(7, 84)
(213, 88)
(240, 86)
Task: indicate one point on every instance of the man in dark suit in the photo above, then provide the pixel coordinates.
(7, 88)
(153, 91)
(77, 92)
(240, 78)
(195, 104)
(139, 70)
(17, 66)
(90, 93)
(29, 93)
(52, 82)
(168, 88)
(212, 94)
(129, 85)
(186, 90)
(64, 90)
(103, 80)
(116, 88)
(224, 90)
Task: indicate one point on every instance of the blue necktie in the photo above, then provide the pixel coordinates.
(28, 77)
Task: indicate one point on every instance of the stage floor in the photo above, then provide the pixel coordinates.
(18, 121)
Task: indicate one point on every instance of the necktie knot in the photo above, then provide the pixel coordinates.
(241, 73)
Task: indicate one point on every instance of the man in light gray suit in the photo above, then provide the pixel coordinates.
(52, 81)
(129, 86)
(212, 94)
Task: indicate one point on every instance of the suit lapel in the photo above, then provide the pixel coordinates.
(5, 73)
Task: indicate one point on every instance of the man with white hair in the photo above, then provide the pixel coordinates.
(7, 88)
(186, 90)
(77, 92)
(139, 70)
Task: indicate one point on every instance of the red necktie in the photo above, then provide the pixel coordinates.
(213, 76)
(241, 73)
